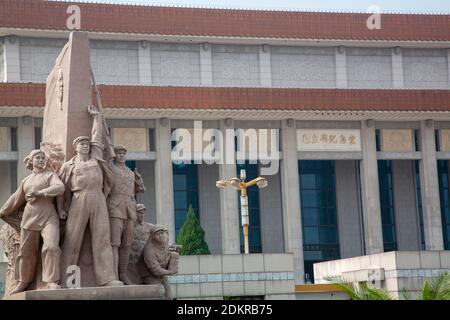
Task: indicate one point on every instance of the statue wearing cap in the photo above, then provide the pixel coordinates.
(35, 198)
(88, 181)
(152, 259)
(122, 211)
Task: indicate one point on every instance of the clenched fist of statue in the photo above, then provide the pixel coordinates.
(93, 110)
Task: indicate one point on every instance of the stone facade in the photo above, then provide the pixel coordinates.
(425, 68)
(235, 66)
(37, 57)
(115, 62)
(133, 62)
(175, 64)
(369, 68)
(393, 271)
(303, 67)
(234, 275)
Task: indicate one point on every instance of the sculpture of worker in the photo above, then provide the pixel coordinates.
(88, 180)
(122, 211)
(152, 259)
(35, 196)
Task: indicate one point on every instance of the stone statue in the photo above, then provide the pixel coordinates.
(88, 181)
(122, 211)
(35, 196)
(152, 258)
(10, 237)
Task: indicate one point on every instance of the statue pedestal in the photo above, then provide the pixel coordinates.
(136, 292)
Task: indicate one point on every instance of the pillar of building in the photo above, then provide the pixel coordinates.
(25, 144)
(265, 66)
(11, 59)
(429, 183)
(164, 177)
(370, 193)
(145, 64)
(206, 77)
(229, 217)
(341, 67)
(290, 191)
(397, 68)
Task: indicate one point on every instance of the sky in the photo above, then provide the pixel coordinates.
(410, 6)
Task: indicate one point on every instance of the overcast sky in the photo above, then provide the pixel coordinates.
(420, 6)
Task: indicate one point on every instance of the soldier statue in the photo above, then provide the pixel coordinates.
(122, 211)
(152, 257)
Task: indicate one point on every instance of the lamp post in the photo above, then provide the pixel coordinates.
(240, 185)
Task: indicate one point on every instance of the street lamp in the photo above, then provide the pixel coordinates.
(240, 185)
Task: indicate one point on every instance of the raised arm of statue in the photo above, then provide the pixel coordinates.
(97, 146)
(139, 186)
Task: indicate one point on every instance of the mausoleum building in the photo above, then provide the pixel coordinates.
(360, 117)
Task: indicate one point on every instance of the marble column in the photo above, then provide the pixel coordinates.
(229, 217)
(290, 191)
(164, 177)
(370, 193)
(432, 219)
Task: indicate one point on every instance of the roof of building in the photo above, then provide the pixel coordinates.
(158, 20)
(214, 98)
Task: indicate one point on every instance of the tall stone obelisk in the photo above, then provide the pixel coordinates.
(68, 93)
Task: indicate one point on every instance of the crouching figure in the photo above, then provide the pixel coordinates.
(152, 258)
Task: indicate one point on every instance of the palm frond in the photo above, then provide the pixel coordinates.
(440, 286)
(375, 293)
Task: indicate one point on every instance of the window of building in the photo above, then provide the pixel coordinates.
(417, 146)
(37, 137)
(419, 205)
(185, 192)
(445, 200)
(387, 204)
(437, 140)
(254, 229)
(319, 217)
(378, 139)
(131, 164)
(13, 133)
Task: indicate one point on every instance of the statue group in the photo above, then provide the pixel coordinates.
(83, 206)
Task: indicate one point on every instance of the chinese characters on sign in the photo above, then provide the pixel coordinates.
(328, 140)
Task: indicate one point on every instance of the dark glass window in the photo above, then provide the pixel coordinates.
(377, 140)
(254, 228)
(319, 217)
(387, 204)
(151, 139)
(185, 192)
(131, 164)
(37, 137)
(445, 200)
(437, 140)
(13, 133)
(417, 140)
(419, 205)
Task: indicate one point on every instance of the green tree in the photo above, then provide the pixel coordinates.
(192, 236)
